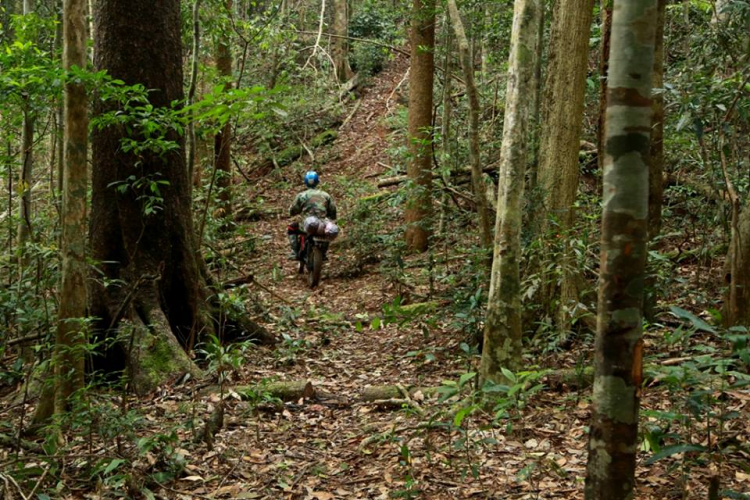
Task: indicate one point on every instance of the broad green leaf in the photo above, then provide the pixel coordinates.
(697, 323)
(465, 378)
(673, 450)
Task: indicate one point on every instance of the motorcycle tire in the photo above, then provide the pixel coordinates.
(315, 266)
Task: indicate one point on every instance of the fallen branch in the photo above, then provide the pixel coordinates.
(398, 179)
(354, 39)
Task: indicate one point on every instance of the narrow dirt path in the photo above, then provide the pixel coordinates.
(313, 452)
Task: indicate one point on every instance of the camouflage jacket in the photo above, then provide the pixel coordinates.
(314, 202)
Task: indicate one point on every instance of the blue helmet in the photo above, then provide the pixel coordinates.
(311, 179)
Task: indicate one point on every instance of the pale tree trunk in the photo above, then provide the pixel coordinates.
(223, 140)
(445, 130)
(503, 346)
(69, 356)
(471, 91)
(25, 182)
(613, 440)
(192, 89)
(27, 169)
(340, 51)
(419, 204)
(560, 139)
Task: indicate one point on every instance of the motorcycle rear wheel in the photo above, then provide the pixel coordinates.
(315, 266)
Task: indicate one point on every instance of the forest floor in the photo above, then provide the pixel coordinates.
(317, 449)
(314, 450)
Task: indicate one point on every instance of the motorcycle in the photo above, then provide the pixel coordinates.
(313, 245)
(311, 255)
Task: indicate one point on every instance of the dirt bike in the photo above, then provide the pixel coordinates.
(311, 255)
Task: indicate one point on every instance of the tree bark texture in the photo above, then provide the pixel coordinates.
(562, 116)
(618, 372)
(606, 29)
(445, 125)
(656, 163)
(69, 361)
(27, 169)
(419, 204)
(154, 257)
(477, 182)
(223, 140)
(25, 182)
(736, 309)
(340, 44)
(503, 346)
(192, 147)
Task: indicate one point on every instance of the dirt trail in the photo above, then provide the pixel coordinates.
(314, 449)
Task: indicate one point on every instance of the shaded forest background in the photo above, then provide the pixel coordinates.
(212, 371)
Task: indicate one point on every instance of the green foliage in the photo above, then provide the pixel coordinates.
(696, 424)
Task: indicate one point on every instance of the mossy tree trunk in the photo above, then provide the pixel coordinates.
(419, 205)
(160, 289)
(502, 346)
(69, 357)
(618, 372)
(467, 63)
(223, 140)
(562, 118)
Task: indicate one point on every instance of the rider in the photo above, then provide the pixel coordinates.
(312, 201)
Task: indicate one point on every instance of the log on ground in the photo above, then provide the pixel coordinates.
(284, 390)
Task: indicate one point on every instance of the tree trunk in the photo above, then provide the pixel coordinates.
(27, 169)
(25, 183)
(69, 356)
(223, 140)
(606, 29)
(192, 147)
(476, 167)
(656, 162)
(618, 372)
(736, 309)
(162, 281)
(419, 205)
(502, 346)
(340, 50)
(563, 120)
(445, 126)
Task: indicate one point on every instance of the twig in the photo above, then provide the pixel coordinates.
(320, 34)
(395, 89)
(40, 480)
(409, 400)
(351, 115)
(24, 340)
(229, 474)
(265, 288)
(6, 479)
